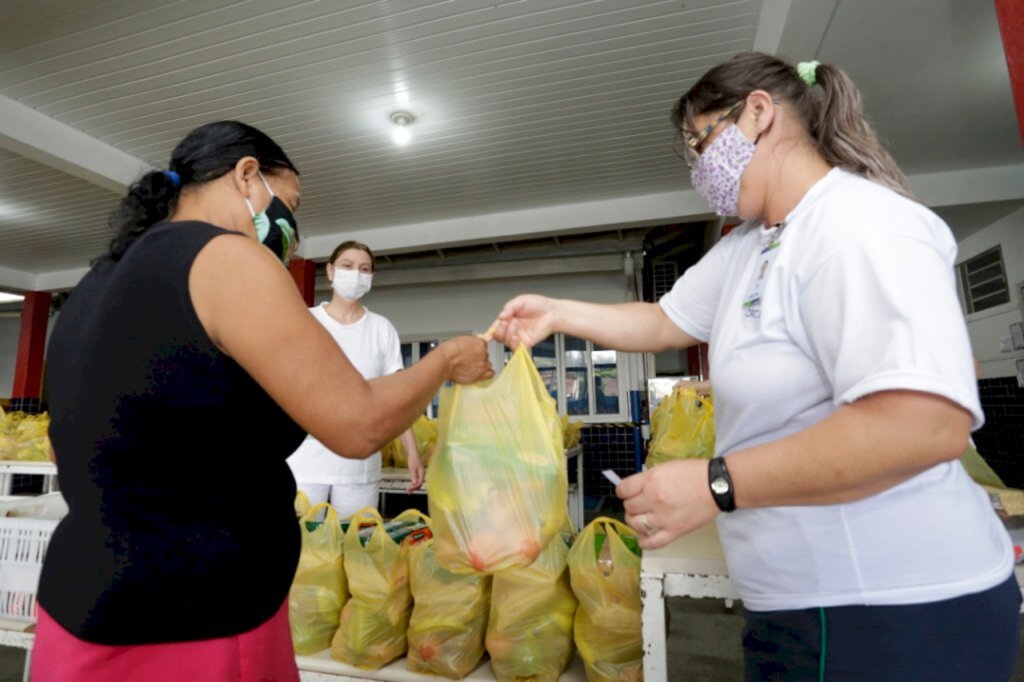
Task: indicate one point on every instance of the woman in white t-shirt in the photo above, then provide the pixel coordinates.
(372, 346)
(844, 393)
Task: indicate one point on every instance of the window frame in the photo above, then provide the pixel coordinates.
(967, 300)
(622, 366)
(414, 341)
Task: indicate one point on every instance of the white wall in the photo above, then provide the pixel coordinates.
(989, 326)
(420, 310)
(427, 310)
(10, 327)
(472, 306)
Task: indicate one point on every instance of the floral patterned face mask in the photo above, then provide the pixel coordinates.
(716, 175)
(275, 225)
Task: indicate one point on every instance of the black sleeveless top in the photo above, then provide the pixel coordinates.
(172, 460)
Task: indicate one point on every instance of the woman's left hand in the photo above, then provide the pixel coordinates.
(667, 501)
(415, 472)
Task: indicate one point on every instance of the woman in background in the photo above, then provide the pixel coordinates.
(371, 344)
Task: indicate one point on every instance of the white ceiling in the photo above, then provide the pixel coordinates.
(536, 117)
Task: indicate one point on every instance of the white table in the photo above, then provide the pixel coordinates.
(321, 667)
(8, 469)
(691, 566)
(395, 480)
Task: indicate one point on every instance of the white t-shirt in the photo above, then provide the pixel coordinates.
(372, 346)
(859, 297)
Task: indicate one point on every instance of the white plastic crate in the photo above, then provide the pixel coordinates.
(50, 506)
(23, 543)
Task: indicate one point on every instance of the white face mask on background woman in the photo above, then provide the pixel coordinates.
(351, 284)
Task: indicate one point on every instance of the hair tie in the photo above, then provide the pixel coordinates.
(808, 72)
(173, 177)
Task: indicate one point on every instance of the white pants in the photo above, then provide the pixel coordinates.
(347, 498)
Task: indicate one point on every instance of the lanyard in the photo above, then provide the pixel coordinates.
(752, 301)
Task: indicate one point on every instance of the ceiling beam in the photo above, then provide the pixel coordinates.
(647, 209)
(963, 187)
(38, 137)
(539, 267)
(973, 186)
(17, 281)
(58, 281)
(793, 29)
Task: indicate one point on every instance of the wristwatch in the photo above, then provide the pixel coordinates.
(721, 484)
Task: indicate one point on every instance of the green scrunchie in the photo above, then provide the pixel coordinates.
(808, 72)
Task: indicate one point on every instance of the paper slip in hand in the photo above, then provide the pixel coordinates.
(611, 476)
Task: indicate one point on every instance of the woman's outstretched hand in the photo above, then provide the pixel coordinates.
(526, 320)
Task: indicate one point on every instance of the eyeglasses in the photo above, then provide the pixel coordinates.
(688, 144)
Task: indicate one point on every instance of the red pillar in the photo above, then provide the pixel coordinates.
(1011, 25)
(699, 362)
(28, 368)
(304, 274)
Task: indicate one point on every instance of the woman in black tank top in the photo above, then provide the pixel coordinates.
(179, 372)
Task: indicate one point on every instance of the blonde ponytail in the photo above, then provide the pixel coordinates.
(845, 137)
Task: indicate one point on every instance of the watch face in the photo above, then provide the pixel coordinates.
(720, 486)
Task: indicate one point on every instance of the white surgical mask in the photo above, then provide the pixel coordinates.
(351, 284)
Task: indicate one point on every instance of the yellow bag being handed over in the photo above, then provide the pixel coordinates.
(605, 576)
(498, 480)
(319, 590)
(374, 621)
(683, 427)
(449, 616)
(529, 633)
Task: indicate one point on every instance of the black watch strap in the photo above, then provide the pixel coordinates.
(720, 484)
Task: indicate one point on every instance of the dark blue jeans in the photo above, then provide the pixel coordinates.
(973, 638)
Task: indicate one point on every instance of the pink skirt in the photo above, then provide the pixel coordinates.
(263, 654)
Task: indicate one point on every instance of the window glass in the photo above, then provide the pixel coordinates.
(606, 380)
(577, 377)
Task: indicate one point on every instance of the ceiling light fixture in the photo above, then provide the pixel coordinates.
(402, 121)
(10, 298)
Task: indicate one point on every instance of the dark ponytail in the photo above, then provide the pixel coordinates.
(206, 153)
(150, 199)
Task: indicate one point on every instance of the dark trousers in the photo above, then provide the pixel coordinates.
(973, 638)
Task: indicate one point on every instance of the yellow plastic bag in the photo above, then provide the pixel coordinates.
(979, 470)
(375, 620)
(570, 432)
(319, 590)
(605, 575)
(302, 504)
(529, 632)
(449, 616)
(425, 432)
(683, 427)
(24, 436)
(498, 481)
